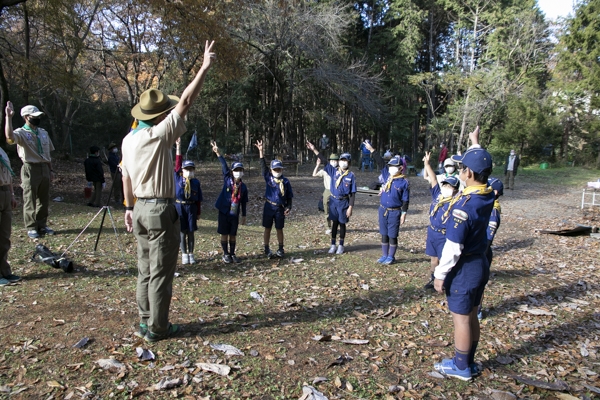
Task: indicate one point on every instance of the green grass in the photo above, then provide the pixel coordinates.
(564, 176)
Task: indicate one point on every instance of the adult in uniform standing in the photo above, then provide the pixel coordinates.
(7, 203)
(34, 147)
(147, 175)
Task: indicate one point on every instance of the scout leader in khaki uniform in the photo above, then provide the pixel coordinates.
(7, 203)
(34, 147)
(147, 169)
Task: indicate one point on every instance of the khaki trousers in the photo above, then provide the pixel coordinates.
(5, 229)
(509, 179)
(35, 181)
(156, 228)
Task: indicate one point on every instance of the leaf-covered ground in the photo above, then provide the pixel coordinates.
(542, 304)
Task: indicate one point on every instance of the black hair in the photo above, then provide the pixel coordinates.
(483, 176)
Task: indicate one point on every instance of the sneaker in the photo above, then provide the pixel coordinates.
(154, 337)
(227, 259)
(429, 285)
(46, 231)
(332, 249)
(33, 234)
(185, 258)
(280, 253)
(480, 315)
(13, 278)
(235, 259)
(340, 249)
(448, 368)
(381, 259)
(4, 282)
(269, 254)
(191, 258)
(142, 330)
(389, 260)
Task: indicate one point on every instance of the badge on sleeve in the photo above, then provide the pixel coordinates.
(460, 215)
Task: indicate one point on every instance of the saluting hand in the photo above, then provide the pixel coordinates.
(9, 110)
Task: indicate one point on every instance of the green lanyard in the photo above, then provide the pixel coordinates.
(37, 136)
(3, 161)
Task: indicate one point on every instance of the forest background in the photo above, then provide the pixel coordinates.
(406, 74)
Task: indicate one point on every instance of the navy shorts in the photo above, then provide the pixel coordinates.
(465, 283)
(389, 225)
(337, 210)
(273, 213)
(435, 243)
(228, 224)
(187, 216)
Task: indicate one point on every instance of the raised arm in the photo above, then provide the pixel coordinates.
(474, 137)
(315, 172)
(193, 89)
(8, 127)
(376, 156)
(320, 156)
(429, 174)
(224, 166)
(263, 164)
(178, 156)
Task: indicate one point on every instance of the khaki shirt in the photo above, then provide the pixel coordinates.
(147, 158)
(27, 146)
(5, 176)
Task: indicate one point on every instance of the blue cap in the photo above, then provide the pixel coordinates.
(276, 164)
(346, 156)
(496, 185)
(237, 165)
(477, 160)
(188, 164)
(395, 161)
(452, 181)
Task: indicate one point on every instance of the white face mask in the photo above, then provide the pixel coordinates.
(344, 164)
(333, 163)
(512, 153)
(115, 150)
(447, 191)
(238, 174)
(276, 174)
(393, 170)
(324, 136)
(450, 169)
(189, 174)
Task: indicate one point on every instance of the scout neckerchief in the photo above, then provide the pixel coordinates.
(142, 125)
(440, 203)
(40, 149)
(5, 163)
(236, 192)
(279, 181)
(388, 184)
(497, 205)
(342, 175)
(469, 190)
(187, 189)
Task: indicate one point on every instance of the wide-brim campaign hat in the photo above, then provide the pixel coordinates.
(112, 145)
(334, 156)
(188, 164)
(275, 164)
(496, 185)
(152, 103)
(477, 160)
(31, 110)
(452, 181)
(237, 165)
(346, 156)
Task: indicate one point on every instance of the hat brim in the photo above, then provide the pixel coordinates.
(35, 114)
(450, 182)
(136, 111)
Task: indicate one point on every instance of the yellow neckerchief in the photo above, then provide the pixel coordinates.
(343, 174)
(467, 192)
(279, 181)
(388, 184)
(497, 205)
(187, 190)
(440, 203)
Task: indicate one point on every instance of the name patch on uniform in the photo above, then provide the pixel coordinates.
(460, 215)
(348, 179)
(493, 225)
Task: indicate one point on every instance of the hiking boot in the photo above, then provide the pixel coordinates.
(388, 260)
(381, 259)
(227, 259)
(13, 278)
(448, 368)
(46, 231)
(33, 234)
(340, 249)
(185, 258)
(280, 253)
(332, 249)
(191, 258)
(235, 259)
(142, 330)
(154, 337)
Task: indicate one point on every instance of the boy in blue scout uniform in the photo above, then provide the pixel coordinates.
(278, 204)
(395, 194)
(188, 201)
(441, 195)
(463, 270)
(341, 202)
(498, 188)
(232, 199)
